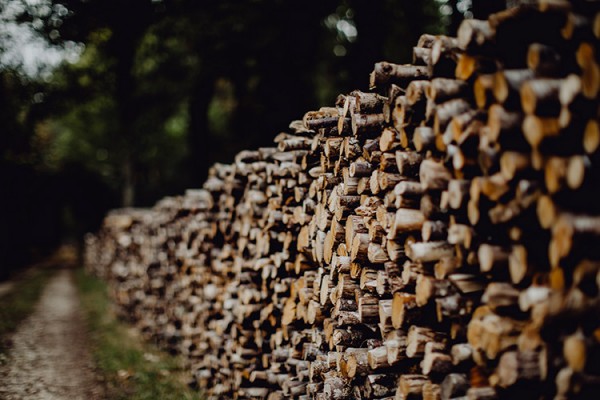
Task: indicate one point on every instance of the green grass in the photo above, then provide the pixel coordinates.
(19, 302)
(132, 369)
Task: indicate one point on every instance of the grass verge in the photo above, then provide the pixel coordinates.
(132, 369)
(20, 300)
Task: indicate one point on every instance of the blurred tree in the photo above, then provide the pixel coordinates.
(263, 62)
(229, 74)
(255, 64)
(122, 25)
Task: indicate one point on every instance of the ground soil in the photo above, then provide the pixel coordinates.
(49, 358)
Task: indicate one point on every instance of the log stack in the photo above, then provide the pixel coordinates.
(432, 238)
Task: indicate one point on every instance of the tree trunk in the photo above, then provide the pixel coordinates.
(199, 137)
(128, 185)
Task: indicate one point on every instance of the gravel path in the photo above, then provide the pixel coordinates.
(49, 359)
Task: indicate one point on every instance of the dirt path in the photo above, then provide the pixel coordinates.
(49, 359)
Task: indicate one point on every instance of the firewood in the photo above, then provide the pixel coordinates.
(536, 129)
(540, 97)
(366, 124)
(507, 84)
(434, 230)
(504, 128)
(424, 139)
(408, 163)
(443, 56)
(415, 95)
(436, 238)
(429, 251)
(474, 35)
(368, 102)
(404, 310)
(421, 55)
(543, 60)
(406, 220)
(417, 338)
(410, 386)
(385, 73)
(336, 387)
(591, 140)
(433, 176)
(468, 64)
(389, 141)
(437, 364)
(590, 79)
(454, 386)
(444, 112)
(442, 89)
(483, 90)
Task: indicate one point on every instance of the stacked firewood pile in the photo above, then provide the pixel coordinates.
(434, 238)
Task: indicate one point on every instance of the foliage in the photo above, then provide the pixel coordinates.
(132, 370)
(165, 88)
